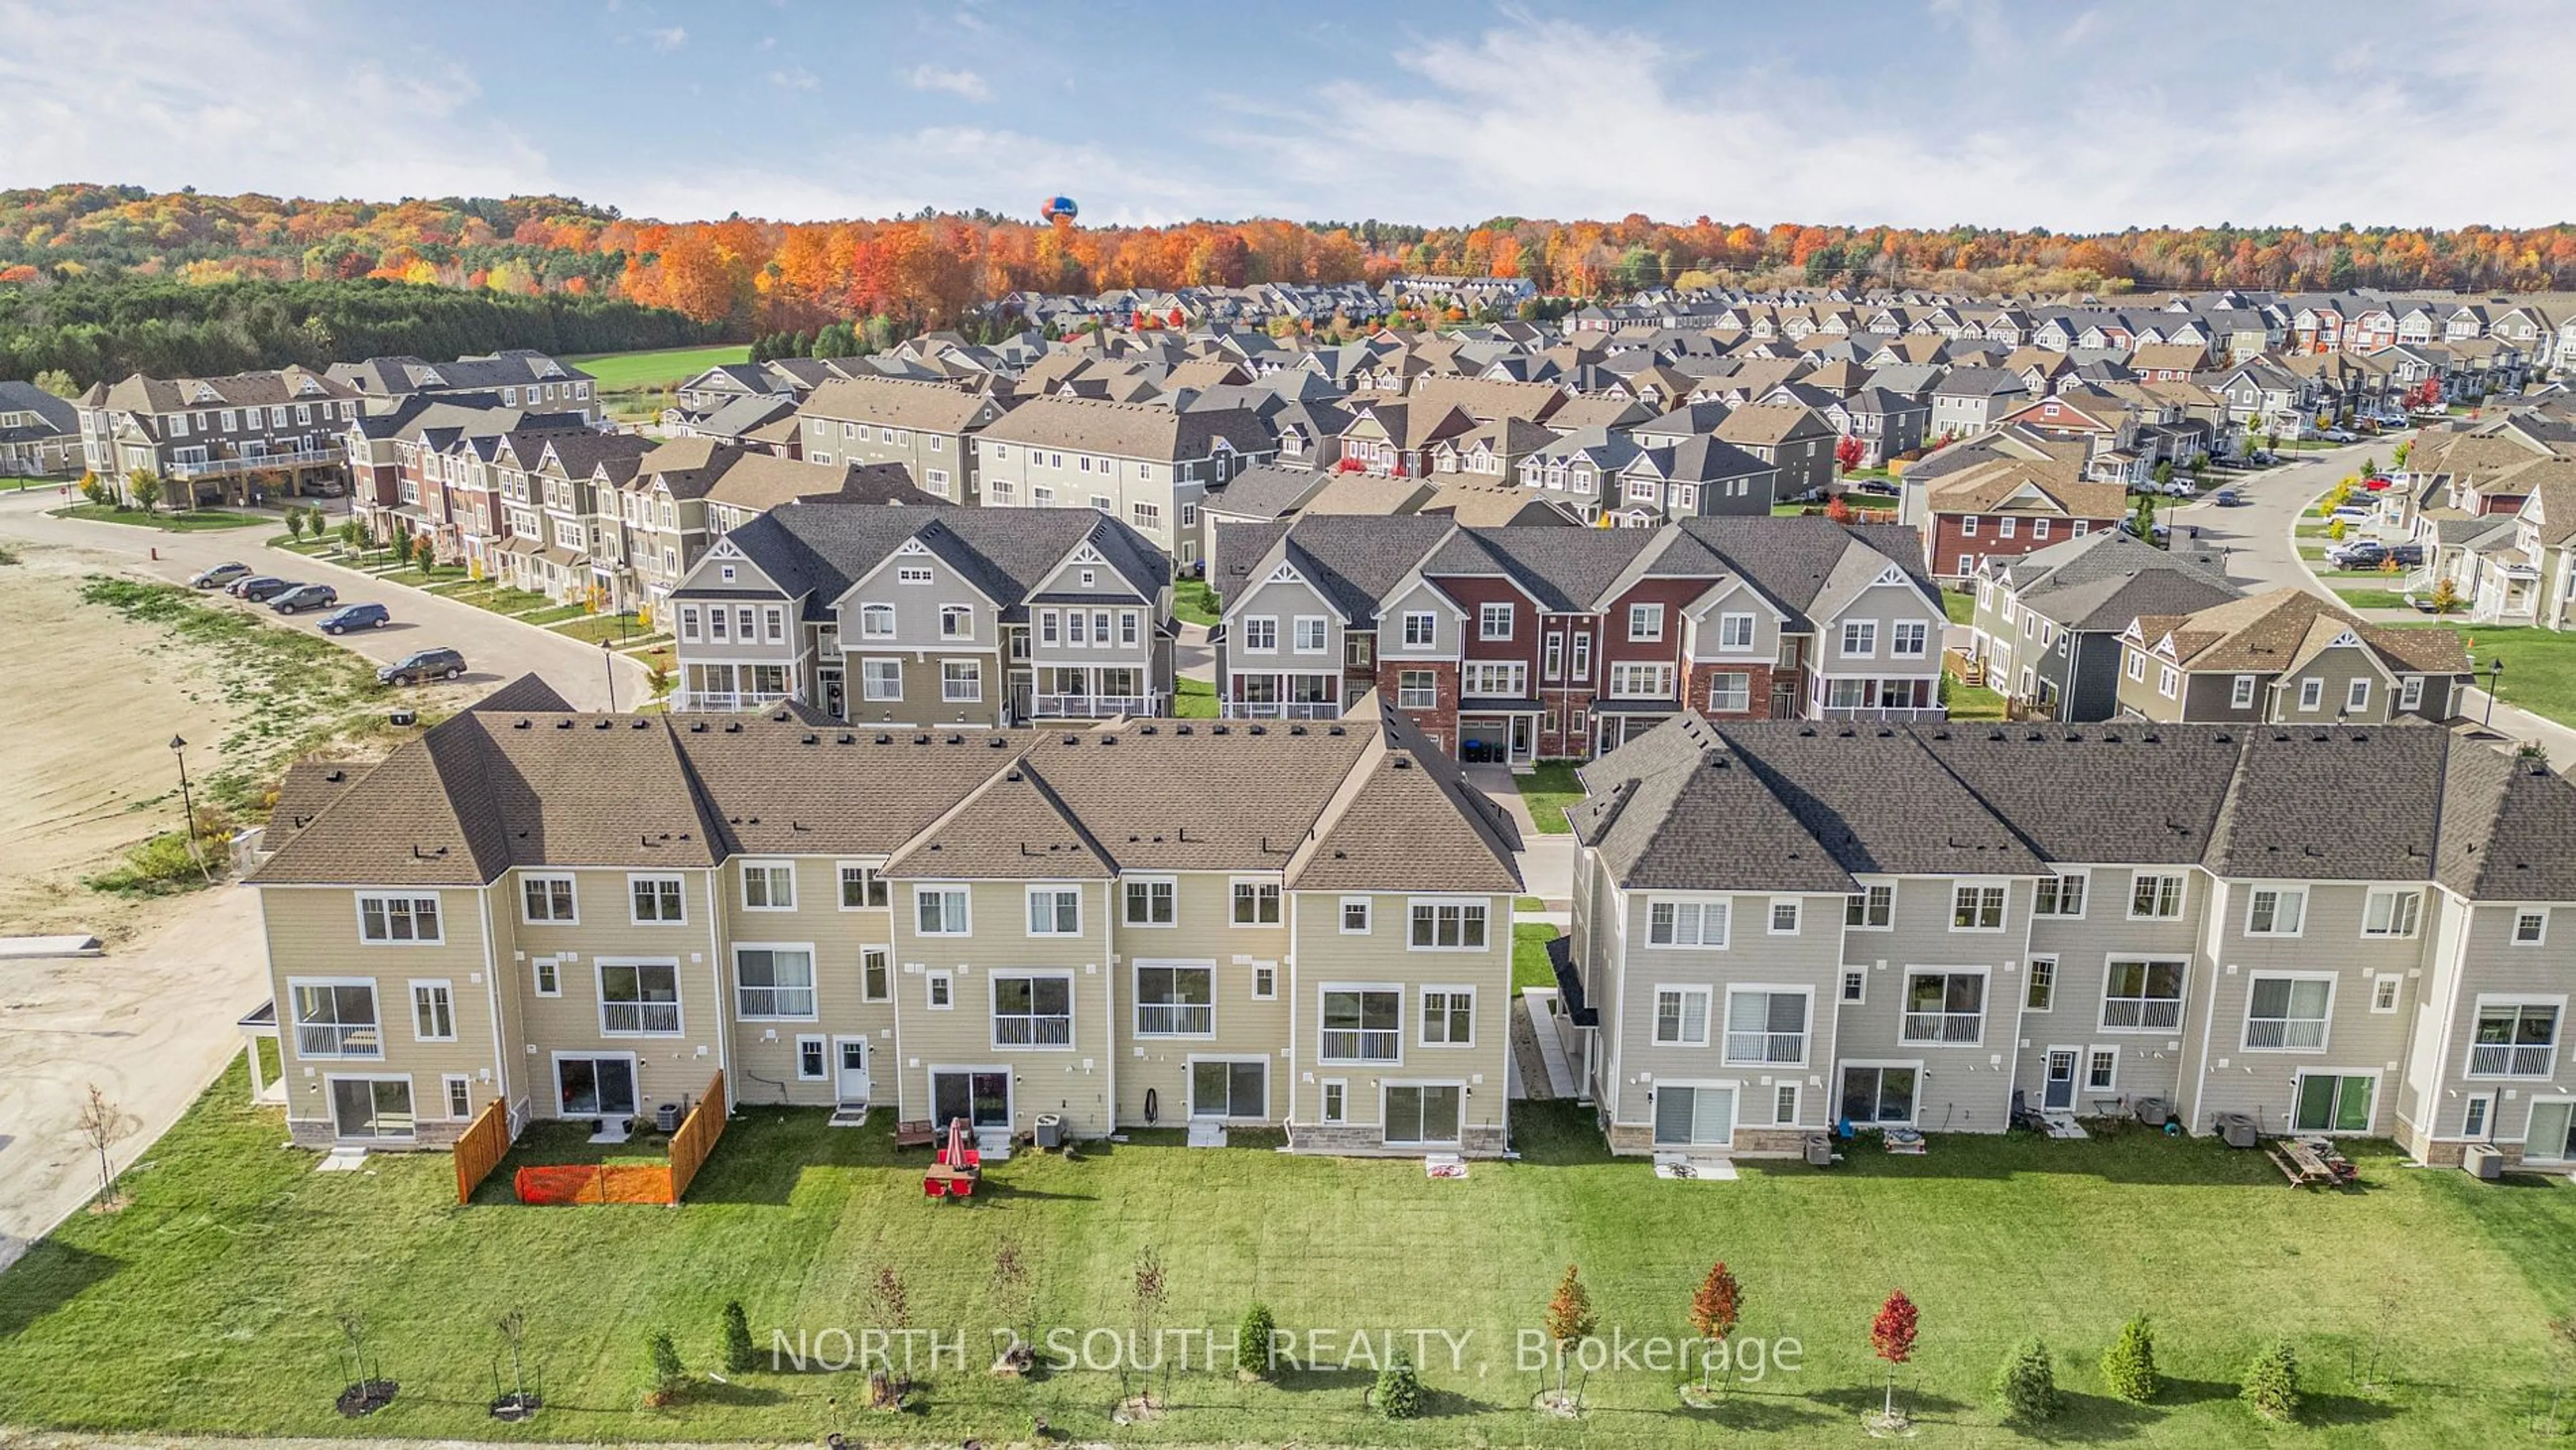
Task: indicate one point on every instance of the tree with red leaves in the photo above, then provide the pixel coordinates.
(1891, 1335)
(1839, 509)
(1713, 1312)
(1847, 454)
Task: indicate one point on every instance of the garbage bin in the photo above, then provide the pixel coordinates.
(2483, 1161)
(667, 1117)
(1820, 1150)
(1050, 1130)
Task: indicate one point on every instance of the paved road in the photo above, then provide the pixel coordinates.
(2262, 553)
(497, 649)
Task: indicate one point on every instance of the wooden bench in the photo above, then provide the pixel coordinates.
(914, 1135)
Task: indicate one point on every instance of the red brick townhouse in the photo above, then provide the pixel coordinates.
(1517, 644)
(2006, 507)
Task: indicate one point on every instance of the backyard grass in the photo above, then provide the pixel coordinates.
(618, 629)
(2371, 598)
(1194, 699)
(210, 1303)
(1972, 702)
(1529, 954)
(2539, 666)
(626, 372)
(1960, 605)
(196, 521)
(1547, 790)
(1194, 602)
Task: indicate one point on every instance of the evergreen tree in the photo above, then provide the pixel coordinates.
(2026, 1385)
(2129, 1365)
(2271, 1387)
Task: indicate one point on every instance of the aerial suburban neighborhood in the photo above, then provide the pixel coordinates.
(924, 817)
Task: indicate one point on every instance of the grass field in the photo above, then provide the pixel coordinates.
(628, 372)
(1529, 954)
(1548, 789)
(2539, 666)
(196, 522)
(209, 1304)
(1973, 702)
(1193, 602)
(1194, 699)
(1960, 605)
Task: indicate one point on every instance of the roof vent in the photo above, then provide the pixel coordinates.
(884, 739)
(1073, 740)
(1994, 735)
(808, 738)
(2110, 737)
(780, 717)
(1012, 775)
(1400, 762)
(2074, 737)
(997, 742)
(1335, 730)
(1885, 733)
(563, 724)
(640, 723)
(1296, 729)
(1256, 730)
(733, 727)
(956, 739)
(602, 724)
(522, 725)
(2223, 738)
(1108, 739)
(2152, 738)
(1145, 730)
(1181, 730)
(1219, 729)
(921, 740)
(846, 738)
(1807, 730)
(334, 777)
(697, 727)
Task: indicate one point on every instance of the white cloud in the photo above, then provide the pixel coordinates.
(666, 40)
(168, 99)
(965, 83)
(794, 78)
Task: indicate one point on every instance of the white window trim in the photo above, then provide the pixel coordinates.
(1981, 885)
(942, 888)
(742, 881)
(412, 997)
(549, 878)
(1422, 999)
(2181, 1000)
(2278, 893)
(1052, 889)
(438, 904)
(2513, 932)
(1368, 915)
(823, 1052)
(2396, 999)
(1403, 1001)
(1863, 894)
(1480, 904)
(939, 992)
(875, 870)
(1727, 903)
(448, 1082)
(2084, 895)
(632, 877)
(993, 1008)
(599, 989)
(1985, 1005)
(1655, 1014)
(885, 950)
(541, 965)
(1280, 894)
(2030, 978)
(1806, 1026)
(2245, 1038)
(1797, 909)
(1126, 916)
(1843, 979)
(813, 967)
(2182, 895)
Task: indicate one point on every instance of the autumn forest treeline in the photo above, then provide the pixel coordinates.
(546, 270)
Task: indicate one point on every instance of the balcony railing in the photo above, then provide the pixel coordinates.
(2503, 1059)
(2142, 1014)
(727, 700)
(1883, 714)
(644, 1019)
(1092, 707)
(777, 1002)
(1945, 1027)
(338, 1039)
(253, 462)
(1032, 1031)
(2307, 1034)
(1360, 1044)
(1766, 1047)
(1175, 1019)
(1282, 710)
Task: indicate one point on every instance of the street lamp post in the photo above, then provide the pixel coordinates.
(608, 664)
(2495, 676)
(188, 808)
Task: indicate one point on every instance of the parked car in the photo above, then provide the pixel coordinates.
(421, 666)
(219, 576)
(2338, 435)
(236, 587)
(2375, 484)
(356, 616)
(264, 588)
(305, 596)
(2262, 456)
(2183, 488)
(2227, 498)
(2353, 513)
(2408, 556)
(2356, 556)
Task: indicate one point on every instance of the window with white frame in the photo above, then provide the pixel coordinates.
(639, 999)
(1766, 1027)
(876, 974)
(2143, 994)
(1784, 917)
(809, 1059)
(1494, 621)
(1634, 680)
(2385, 991)
(2410, 693)
(2137, 665)
(656, 900)
(2240, 695)
(1055, 911)
(548, 973)
(1730, 692)
(2390, 912)
(1855, 988)
(861, 887)
(1686, 923)
(2531, 926)
(1361, 1024)
(2514, 1039)
(2155, 895)
(2357, 696)
(387, 920)
(2312, 694)
(1355, 916)
(2060, 894)
(2039, 993)
(1417, 689)
(881, 679)
(768, 886)
(876, 621)
(1645, 622)
(1944, 1007)
(1449, 1016)
(1260, 632)
(1310, 636)
(1151, 900)
(1032, 1009)
(335, 1017)
(774, 981)
(1495, 679)
(1175, 1001)
(1860, 637)
(1734, 632)
(1908, 638)
(2276, 910)
(2288, 1013)
(940, 991)
(1975, 907)
(548, 900)
(2168, 681)
(1681, 1016)
(2102, 1069)
(1447, 926)
(433, 1012)
(961, 682)
(1422, 630)
(460, 1095)
(1872, 908)
(939, 910)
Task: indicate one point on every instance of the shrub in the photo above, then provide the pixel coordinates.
(1399, 1390)
(665, 1376)
(2334, 530)
(92, 489)
(2026, 1384)
(2271, 1387)
(2129, 1365)
(739, 1357)
(1252, 1340)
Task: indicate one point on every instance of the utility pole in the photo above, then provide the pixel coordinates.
(608, 664)
(188, 810)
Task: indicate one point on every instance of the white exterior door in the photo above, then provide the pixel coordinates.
(850, 1069)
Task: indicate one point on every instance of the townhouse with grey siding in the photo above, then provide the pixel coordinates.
(928, 427)
(1296, 928)
(1146, 465)
(1785, 929)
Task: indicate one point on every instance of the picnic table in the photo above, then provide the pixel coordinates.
(2310, 1162)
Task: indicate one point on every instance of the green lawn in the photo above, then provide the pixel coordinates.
(2539, 666)
(1972, 702)
(1194, 699)
(1529, 954)
(620, 629)
(184, 522)
(2371, 598)
(1194, 602)
(556, 614)
(209, 1304)
(1548, 790)
(626, 372)
(1960, 605)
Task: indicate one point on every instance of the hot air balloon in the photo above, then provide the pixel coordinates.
(1059, 209)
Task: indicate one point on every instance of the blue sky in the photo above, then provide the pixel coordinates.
(2069, 116)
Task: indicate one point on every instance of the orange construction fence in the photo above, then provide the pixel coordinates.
(595, 1183)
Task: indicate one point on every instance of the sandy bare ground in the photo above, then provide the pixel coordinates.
(88, 703)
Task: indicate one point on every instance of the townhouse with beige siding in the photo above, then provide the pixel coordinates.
(927, 427)
(1145, 464)
(1299, 928)
(2162, 921)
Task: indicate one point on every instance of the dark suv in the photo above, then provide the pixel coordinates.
(305, 596)
(421, 666)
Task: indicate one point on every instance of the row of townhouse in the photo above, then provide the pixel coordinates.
(516, 377)
(1780, 928)
(927, 615)
(40, 434)
(227, 439)
(1518, 644)
(1299, 928)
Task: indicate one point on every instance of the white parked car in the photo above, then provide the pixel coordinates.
(2353, 513)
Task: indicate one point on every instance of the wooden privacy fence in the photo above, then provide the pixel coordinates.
(480, 1149)
(632, 1182)
(697, 1136)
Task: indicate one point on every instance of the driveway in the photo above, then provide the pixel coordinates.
(1546, 862)
(497, 648)
(2262, 553)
